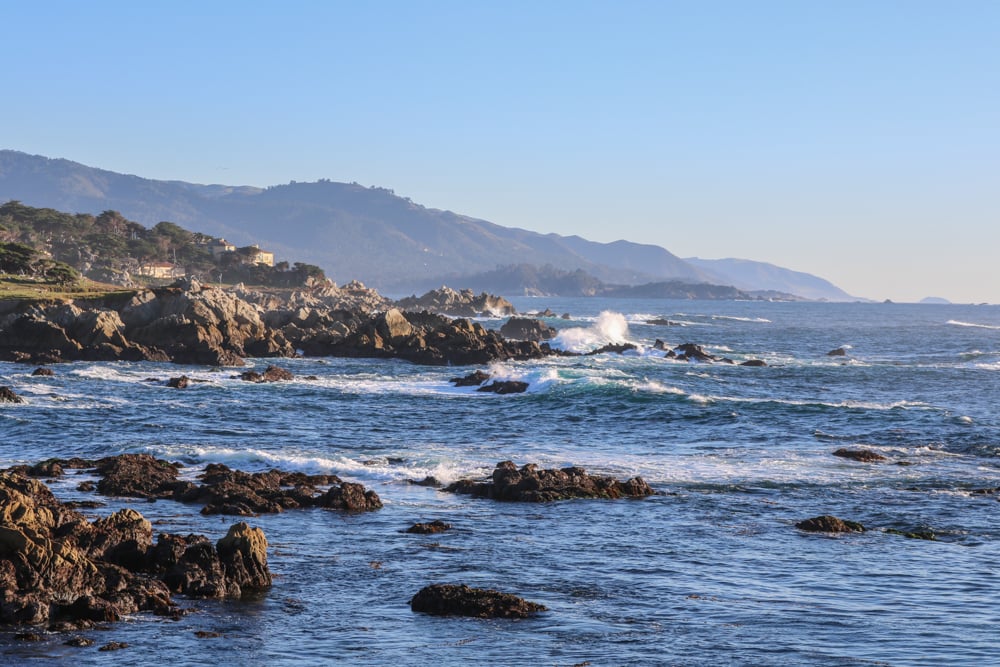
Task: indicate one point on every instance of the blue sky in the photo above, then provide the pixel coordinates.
(859, 141)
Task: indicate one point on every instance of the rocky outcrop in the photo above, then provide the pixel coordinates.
(862, 455)
(839, 352)
(43, 371)
(462, 600)
(459, 304)
(614, 348)
(829, 524)
(271, 374)
(433, 339)
(59, 569)
(526, 328)
(7, 395)
(531, 484)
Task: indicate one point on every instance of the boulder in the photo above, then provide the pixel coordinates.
(43, 371)
(350, 497)
(754, 363)
(839, 352)
(531, 484)
(616, 348)
(829, 524)
(462, 600)
(271, 374)
(526, 328)
(181, 382)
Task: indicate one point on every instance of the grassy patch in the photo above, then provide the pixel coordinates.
(15, 288)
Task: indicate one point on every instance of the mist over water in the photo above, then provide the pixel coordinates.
(710, 571)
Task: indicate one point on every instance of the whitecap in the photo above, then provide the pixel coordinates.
(609, 328)
(959, 323)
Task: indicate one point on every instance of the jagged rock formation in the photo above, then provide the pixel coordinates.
(459, 304)
(59, 569)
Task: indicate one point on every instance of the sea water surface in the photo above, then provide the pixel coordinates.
(710, 571)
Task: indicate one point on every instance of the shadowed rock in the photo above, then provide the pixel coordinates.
(505, 387)
(462, 600)
(526, 328)
(530, 484)
(270, 374)
(839, 352)
(43, 371)
(430, 528)
(862, 455)
(473, 379)
(829, 524)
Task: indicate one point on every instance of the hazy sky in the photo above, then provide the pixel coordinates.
(859, 141)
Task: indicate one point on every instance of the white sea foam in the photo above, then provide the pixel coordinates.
(959, 323)
(609, 328)
(759, 320)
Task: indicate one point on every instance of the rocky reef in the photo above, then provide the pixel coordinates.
(462, 600)
(529, 483)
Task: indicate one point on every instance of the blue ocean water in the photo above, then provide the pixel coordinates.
(711, 571)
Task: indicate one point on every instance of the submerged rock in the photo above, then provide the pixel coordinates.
(829, 524)
(43, 371)
(462, 600)
(270, 374)
(530, 484)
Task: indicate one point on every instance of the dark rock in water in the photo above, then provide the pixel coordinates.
(471, 380)
(430, 480)
(350, 497)
(689, 351)
(271, 374)
(136, 476)
(661, 322)
(829, 524)
(566, 316)
(114, 646)
(7, 395)
(839, 352)
(80, 642)
(863, 455)
(43, 371)
(613, 347)
(754, 362)
(919, 534)
(659, 345)
(529, 484)
(436, 526)
(526, 328)
(462, 600)
(179, 382)
(505, 387)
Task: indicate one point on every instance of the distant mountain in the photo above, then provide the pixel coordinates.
(749, 275)
(937, 300)
(351, 231)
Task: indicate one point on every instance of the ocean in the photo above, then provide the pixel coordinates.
(709, 571)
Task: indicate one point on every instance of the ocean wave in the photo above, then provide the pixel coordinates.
(757, 320)
(959, 323)
(848, 404)
(609, 328)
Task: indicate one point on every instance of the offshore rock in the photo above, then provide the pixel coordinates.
(7, 395)
(430, 528)
(459, 304)
(526, 328)
(505, 387)
(462, 600)
(839, 352)
(271, 374)
(829, 524)
(350, 497)
(530, 484)
(473, 379)
(617, 348)
(862, 455)
(43, 371)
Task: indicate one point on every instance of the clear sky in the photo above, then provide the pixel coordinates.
(859, 141)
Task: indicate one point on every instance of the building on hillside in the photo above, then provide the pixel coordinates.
(219, 246)
(255, 255)
(160, 270)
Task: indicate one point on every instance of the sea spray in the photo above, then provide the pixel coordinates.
(610, 327)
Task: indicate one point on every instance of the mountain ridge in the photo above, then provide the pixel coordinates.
(352, 231)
